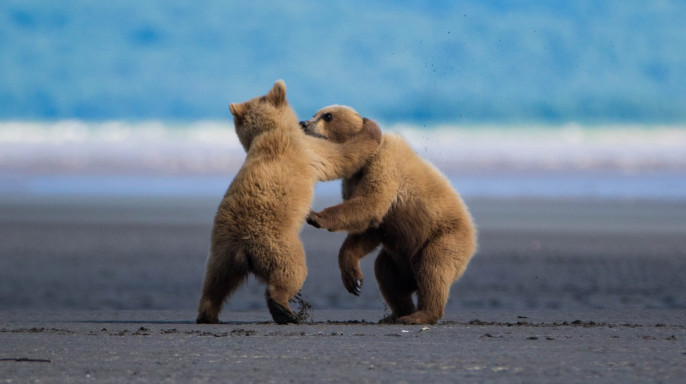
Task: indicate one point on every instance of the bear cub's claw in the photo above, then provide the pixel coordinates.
(357, 289)
(313, 223)
(352, 279)
(280, 314)
(312, 219)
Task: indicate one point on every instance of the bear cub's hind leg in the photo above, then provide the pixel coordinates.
(283, 283)
(396, 285)
(435, 272)
(225, 272)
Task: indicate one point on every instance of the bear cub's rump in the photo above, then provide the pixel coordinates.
(257, 223)
(402, 202)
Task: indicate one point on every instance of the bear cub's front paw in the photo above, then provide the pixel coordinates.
(313, 219)
(318, 220)
(352, 280)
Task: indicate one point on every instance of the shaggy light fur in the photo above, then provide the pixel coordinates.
(257, 223)
(402, 202)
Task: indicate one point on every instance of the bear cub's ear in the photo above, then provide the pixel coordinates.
(236, 109)
(371, 128)
(277, 95)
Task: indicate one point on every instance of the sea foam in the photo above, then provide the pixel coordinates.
(212, 147)
(157, 157)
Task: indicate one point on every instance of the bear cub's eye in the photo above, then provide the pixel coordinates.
(327, 117)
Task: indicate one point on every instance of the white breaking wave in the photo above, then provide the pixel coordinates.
(568, 147)
(211, 147)
(119, 147)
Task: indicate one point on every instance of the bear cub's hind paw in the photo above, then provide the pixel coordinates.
(204, 318)
(390, 319)
(418, 317)
(280, 314)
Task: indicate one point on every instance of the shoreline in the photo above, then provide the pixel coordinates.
(650, 184)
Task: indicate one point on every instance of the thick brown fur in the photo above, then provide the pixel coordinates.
(257, 223)
(402, 202)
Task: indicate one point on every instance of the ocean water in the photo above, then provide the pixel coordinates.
(157, 158)
(439, 61)
(140, 67)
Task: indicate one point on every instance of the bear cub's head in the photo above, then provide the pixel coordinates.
(338, 123)
(262, 114)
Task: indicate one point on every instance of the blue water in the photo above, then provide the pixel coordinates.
(396, 61)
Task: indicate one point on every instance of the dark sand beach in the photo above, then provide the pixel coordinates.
(105, 289)
(500, 346)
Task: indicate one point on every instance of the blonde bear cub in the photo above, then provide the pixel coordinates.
(405, 204)
(257, 223)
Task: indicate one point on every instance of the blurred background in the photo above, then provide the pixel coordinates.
(421, 62)
(116, 114)
(138, 87)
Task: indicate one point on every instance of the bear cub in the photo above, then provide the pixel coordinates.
(402, 202)
(257, 223)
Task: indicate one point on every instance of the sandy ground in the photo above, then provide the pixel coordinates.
(561, 291)
(150, 254)
(499, 346)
